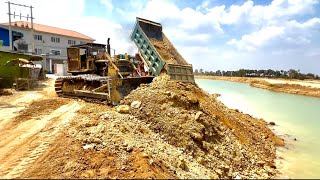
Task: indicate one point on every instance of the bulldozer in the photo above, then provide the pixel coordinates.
(95, 74)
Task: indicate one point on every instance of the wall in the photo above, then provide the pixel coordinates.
(45, 44)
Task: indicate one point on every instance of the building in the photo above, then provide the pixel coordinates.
(43, 40)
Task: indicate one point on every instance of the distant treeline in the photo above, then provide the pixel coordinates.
(290, 74)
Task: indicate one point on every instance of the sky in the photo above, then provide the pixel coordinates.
(209, 34)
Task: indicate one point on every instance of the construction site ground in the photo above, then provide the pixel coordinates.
(163, 130)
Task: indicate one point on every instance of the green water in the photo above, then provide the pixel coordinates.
(295, 116)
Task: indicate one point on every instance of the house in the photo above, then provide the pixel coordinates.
(43, 40)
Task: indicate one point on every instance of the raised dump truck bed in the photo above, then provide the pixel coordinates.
(159, 53)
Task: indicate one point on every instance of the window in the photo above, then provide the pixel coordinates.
(55, 39)
(56, 52)
(38, 37)
(82, 42)
(38, 51)
(72, 42)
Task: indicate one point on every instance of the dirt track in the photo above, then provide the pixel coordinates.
(29, 123)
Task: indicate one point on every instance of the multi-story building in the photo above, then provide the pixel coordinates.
(48, 41)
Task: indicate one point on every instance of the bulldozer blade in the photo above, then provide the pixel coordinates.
(91, 94)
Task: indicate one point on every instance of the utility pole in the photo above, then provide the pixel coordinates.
(16, 15)
(10, 32)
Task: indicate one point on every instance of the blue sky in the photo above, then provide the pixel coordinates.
(210, 34)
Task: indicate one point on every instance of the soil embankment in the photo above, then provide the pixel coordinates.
(165, 129)
(307, 88)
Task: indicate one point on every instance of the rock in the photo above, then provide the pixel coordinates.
(96, 140)
(238, 177)
(196, 136)
(88, 146)
(261, 163)
(183, 165)
(168, 93)
(123, 109)
(272, 123)
(295, 139)
(135, 104)
(218, 171)
(197, 116)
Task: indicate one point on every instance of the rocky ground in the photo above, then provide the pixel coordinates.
(307, 88)
(162, 130)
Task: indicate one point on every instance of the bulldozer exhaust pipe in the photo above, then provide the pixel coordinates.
(108, 47)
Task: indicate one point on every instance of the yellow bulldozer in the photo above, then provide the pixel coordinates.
(96, 75)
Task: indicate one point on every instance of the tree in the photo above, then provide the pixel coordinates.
(242, 73)
(218, 73)
(196, 71)
(1, 43)
(201, 71)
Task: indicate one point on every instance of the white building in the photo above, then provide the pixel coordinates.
(48, 40)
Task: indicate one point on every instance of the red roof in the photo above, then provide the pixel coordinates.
(49, 29)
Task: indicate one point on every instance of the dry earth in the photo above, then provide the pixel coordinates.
(163, 130)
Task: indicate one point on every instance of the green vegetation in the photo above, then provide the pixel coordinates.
(1, 43)
(290, 74)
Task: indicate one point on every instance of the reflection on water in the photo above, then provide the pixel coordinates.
(295, 117)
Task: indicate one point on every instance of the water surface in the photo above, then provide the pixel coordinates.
(295, 116)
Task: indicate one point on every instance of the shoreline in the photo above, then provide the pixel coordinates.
(306, 88)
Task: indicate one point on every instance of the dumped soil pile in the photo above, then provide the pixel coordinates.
(167, 51)
(100, 143)
(223, 143)
(165, 129)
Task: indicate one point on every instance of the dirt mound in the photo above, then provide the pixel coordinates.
(191, 120)
(99, 143)
(167, 129)
(167, 51)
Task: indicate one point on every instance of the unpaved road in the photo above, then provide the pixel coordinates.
(29, 122)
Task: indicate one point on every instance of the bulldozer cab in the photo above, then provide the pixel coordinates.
(82, 57)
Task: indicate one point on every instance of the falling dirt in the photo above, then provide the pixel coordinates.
(167, 51)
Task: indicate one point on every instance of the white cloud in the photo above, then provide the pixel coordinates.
(107, 4)
(257, 39)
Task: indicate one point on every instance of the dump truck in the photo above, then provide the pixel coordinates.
(18, 71)
(95, 74)
(158, 52)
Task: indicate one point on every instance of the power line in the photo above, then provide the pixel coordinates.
(21, 16)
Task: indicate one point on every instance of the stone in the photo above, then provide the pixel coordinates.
(88, 146)
(197, 116)
(123, 109)
(96, 140)
(196, 136)
(135, 104)
(272, 123)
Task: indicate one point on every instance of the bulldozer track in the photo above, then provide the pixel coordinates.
(59, 84)
(33, 144)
